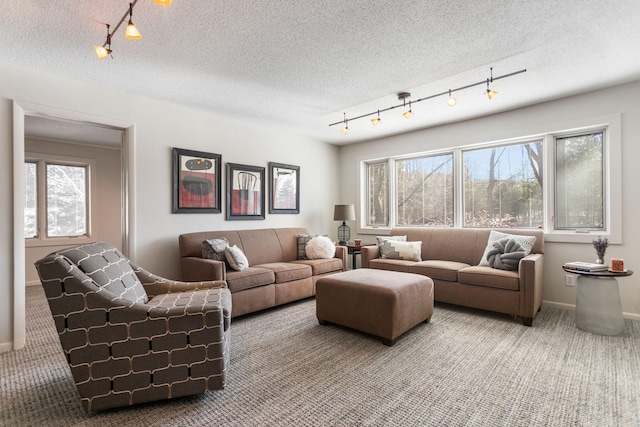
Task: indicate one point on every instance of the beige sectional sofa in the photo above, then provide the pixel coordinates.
(451, 257)
(275, 274)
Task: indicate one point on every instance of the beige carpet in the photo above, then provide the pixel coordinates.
(466, 367)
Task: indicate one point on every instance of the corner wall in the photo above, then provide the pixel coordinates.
(546, 117)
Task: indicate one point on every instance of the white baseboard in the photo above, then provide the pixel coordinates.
(6, 346)
(572, 307)
(33, 283)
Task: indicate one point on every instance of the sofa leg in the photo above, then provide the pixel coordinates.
(388, 342)
(323, 322)
(527, 321)
(427, 320)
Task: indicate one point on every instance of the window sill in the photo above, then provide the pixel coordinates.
(62, 241)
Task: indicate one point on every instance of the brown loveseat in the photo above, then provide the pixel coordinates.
(275, 275)
(451, 256)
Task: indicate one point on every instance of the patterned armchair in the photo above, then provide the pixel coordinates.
(130, 336)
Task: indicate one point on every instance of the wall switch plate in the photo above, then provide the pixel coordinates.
(570, 279)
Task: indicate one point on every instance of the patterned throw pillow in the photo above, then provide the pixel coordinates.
(525, 241)
(397, 249)
(303, 239)
(381, 239)
(214, 249)
(236, 258)
(320, 247)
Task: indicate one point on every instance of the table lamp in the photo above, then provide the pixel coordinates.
(344, 213)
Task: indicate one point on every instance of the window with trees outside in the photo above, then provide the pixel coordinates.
(555, 182)
(56, 200)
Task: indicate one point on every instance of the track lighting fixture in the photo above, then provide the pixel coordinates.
(403, 96)
(345, 129)
(376, 120)
(452, 101)
(490, 92)
(131, 31)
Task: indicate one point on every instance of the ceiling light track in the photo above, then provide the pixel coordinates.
(131, 30)
(405, 97)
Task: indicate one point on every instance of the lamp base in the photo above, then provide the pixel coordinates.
(343, 243)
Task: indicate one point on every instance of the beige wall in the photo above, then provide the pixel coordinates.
(156, 127)
(547, 117)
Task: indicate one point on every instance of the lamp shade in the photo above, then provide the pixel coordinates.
(344, 213)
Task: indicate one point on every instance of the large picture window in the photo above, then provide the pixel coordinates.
(557, 182)
(503, 186)
(56, 199)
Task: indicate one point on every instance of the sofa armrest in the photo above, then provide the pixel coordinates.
(341, 253)
(368, 253)
(531, 272)
(196, 269)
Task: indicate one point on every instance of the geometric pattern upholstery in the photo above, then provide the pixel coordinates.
(130, 336)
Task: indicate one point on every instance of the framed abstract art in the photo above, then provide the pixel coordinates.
(196, 182)
(284, 188)
(245, 192)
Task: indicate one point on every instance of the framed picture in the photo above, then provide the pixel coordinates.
(196, 182)
(284, 188)
(245, 192)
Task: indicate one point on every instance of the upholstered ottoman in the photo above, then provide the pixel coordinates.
(379, 302)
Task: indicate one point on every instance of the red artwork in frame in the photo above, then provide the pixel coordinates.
(196, 181)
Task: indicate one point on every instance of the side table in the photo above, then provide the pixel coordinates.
(354, 251)
(598, 306)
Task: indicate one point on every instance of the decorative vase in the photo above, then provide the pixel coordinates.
(600, 245)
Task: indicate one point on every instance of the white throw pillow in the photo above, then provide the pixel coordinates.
(320, 247)
(397, 249)
(236, 258)
(525, 241)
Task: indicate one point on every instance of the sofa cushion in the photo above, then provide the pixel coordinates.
(214, 249)
(527, 243)
(236, 258)
(395, 249)
(303, 239)
(441, 270)
(391, 264)
(505, 255)
(322, 266)
(320, 247)
(287, 271)
(248, 278)
(489, 277)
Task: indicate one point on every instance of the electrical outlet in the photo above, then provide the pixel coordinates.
(570, 279)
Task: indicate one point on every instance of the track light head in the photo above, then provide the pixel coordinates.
(451, 102)
(104, 50)
(132, 32)
(376, 120)
(163, 2)
(345, 129)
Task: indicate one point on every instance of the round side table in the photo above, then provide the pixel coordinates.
(598, 306)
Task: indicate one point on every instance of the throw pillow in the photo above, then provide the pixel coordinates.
(505, 255)
(236, 258)
(381, 239)
(320, 247)
(525, 241)
(214, 249)
(303, 239)
(397, 249)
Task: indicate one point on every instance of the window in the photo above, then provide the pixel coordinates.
(566, 183)
(378, 194)
(56, 199)
(579, 182)
(503, 186)
(424, 187)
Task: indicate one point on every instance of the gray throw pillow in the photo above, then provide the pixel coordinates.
(505, 255)
(303, 239)
(526, 242)
(214, 249)
(386, 251)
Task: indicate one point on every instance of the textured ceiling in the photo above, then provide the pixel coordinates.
(298, 65)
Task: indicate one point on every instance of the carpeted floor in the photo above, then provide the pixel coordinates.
(466, 367)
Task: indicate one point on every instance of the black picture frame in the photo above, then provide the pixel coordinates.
(197, 182)
(245, 192)
(284, 188)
